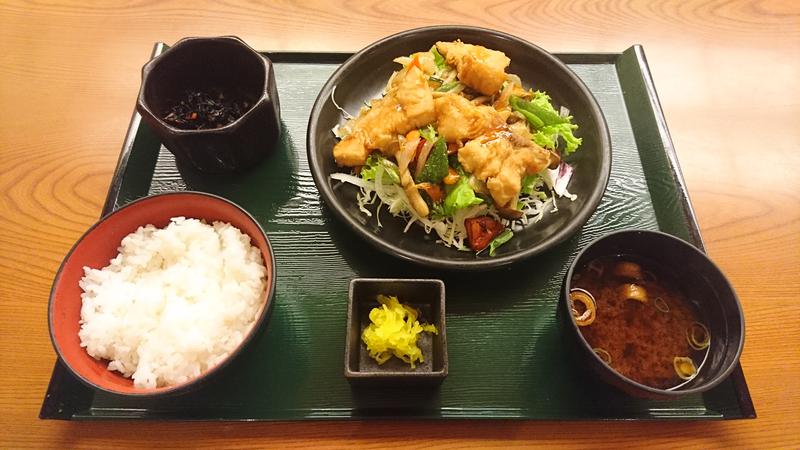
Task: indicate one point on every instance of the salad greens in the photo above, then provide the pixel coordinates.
(547, 137)
(499, 240)
(461, 196)
(428, 133)
(376, 162)
(448, 86)
(529, 182)
(438, 59)
(547, 122)
(436, 167)
(460, 205)
(533, 186)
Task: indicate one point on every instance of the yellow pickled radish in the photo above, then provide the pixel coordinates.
(394, 330)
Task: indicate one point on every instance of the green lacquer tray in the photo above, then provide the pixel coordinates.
(504, 348)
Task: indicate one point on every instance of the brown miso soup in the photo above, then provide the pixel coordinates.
(642, 320)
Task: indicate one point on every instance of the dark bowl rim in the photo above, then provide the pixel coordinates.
(144, 108)
(712, 266)
(203, 377)
(580, 219)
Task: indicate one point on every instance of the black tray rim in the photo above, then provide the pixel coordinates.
(52, 410)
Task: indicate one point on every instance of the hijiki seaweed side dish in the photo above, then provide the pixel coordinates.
(200, 110)
(458, 146)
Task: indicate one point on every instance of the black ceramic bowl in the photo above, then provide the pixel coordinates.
(364, 76)
(213, 65)
(702, 282)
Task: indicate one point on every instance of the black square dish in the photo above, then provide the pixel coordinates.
(428, 297)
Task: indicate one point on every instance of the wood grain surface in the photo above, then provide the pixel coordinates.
(727, 73)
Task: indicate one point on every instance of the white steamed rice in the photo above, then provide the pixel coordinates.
(174, 301)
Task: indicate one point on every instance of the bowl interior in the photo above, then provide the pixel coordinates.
(211, 65)
(706, 289)
(364, 76)
(96, 248)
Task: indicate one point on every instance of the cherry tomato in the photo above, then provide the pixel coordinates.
(481, 231)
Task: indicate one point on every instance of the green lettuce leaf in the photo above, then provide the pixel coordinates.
(547, 122)
(461, 196)
(540, 107)
(428, 133)
(540, 104)
(374, 163)
(499, 240)
(547, 137)
(529, 183)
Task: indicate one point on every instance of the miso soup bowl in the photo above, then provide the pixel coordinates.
(700, 280)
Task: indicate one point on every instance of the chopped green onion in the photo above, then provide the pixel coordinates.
(661, 305)
(604, 355)
(700, 342)
(587, 299)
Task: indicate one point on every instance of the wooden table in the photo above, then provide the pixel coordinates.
(727, 73)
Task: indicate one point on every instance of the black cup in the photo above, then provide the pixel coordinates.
(219, 64)
(702, 281)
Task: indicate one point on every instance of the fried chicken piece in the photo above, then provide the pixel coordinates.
(351, 151)
(499, 160)
(415, 96)
(375, 129)
(459, 119)
(478, 67)
(407, 105)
